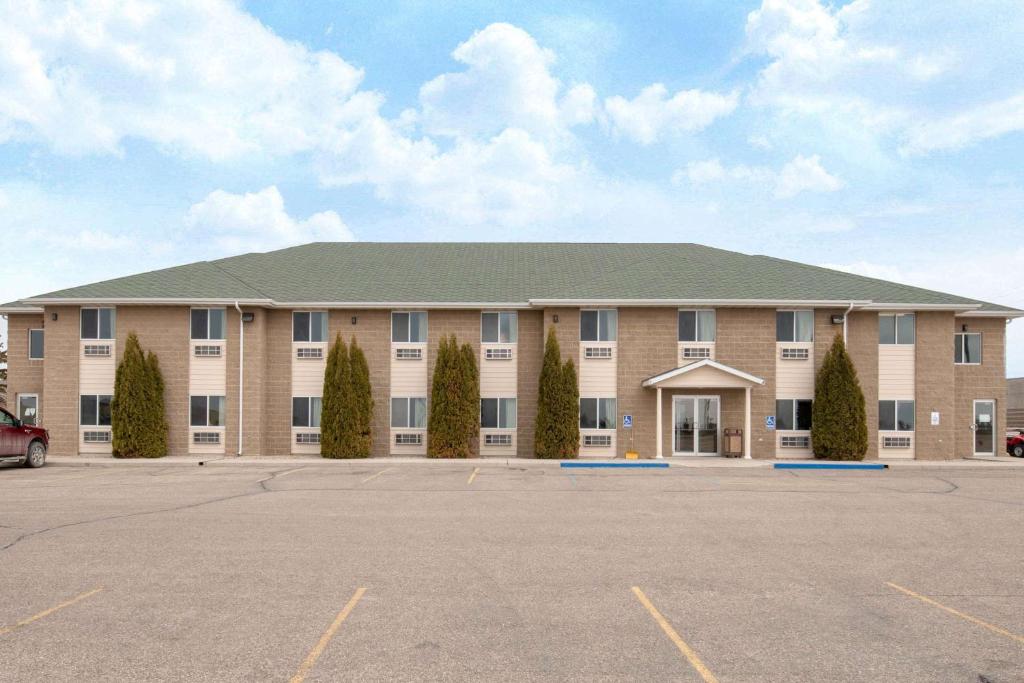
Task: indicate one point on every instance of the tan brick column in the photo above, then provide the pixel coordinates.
(531, 354)
(985, 381)
(745, 340)
(24, 376)
(373, 333)
(60, 378)
(933, 368)
(647, 345)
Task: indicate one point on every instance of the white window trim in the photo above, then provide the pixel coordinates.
(207, 338)
(896, 328)
(614, 420)
(598, 311)
(97, 423)
(309, 327)
(391, 332)
(499, 399)
(43, 331)
(696, 326)
(793, 310)
(207, 425)
(981, 344)
(408, 412)
(896, 416)
(499, 314)
(18, 398)
(794, 431)
(309, 411)
(113, 323)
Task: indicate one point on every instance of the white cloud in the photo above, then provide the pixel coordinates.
(966, 127)
(652, 114)
(802, 174)
(257, 221)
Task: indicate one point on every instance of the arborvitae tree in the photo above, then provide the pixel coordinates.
(471, 398)
(454, 419)
(839, 427)
(558, 408)
(358, 420)
(332, 403)
(138, 425)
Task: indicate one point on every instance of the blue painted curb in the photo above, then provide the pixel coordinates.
(616, 464)
(829, 466)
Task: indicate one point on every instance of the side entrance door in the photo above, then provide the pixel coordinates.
(985, 428)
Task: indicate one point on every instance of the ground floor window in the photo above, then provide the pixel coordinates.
(409, 413)
(498, 413)
(207, 411)
(306, 411)
(94, 411)
(895, 416)
(793, 414)
(597, 413)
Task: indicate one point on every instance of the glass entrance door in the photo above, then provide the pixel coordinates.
(984, 427)
(695, 425)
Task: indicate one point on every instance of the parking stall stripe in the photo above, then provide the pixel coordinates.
(687, 651)
(36, 617)
(476, 471)
(958, 613)
(374, 476)
(318, 649)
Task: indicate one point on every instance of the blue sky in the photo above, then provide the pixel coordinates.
(880, 138)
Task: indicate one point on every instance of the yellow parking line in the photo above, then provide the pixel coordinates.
(958, 613)
(476, 471)
(374, 476)
(687, 651)
(318, 649)
(35, 617)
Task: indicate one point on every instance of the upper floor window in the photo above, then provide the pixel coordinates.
(208, 323)
(896, 329)
(967, 348)
(697, 326)
(409, 327)
(207, 411)
(794, 326)
(94, 411)
(97, 323)
(895, 416)
(306, 411)
(35, 344)
(597, 413)
(793, 414)
(498, 413)
(598, 326)
(309, 327)
(498, 328)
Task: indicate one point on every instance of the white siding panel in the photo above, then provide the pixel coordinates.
(896, 453)
(308, 373)
(207, 376)
(96, 374)
(598, 451)
(206, 448)
(895, 371)
(420, 449)
(598, 376)
(681, 346)
(498, 377)
(794, 378)
(409, 377)
(791, 453)
(93, 448)
(509, 450)
(304, 448)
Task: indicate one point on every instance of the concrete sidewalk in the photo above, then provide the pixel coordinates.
(297, 460)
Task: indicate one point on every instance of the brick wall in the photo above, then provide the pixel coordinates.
(60, 377)
(567, 329)
(933, 366)
(531, 356)
(862, 345)
(745, 340)
(24, 376)
(373, 333)
(647, 346)
(985, 381)
(276, 432)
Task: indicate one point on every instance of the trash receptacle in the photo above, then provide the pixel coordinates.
(733, 443)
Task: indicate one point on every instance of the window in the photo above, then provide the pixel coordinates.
(498, 413)
(307, 439)
(309, 327)
(309, 353)
(207, 411)
(306, 411)
(35, 344)
(896, 442)
(794, 326)
(97, 323)
(597, 352)
(791, 353)
(696, 352)
(498, 328)
(696, 326)
(598, 325)
(793, 414)
(408, 413)
(96, 437)
(597, 413)
(96, 350)
(896, 329)
(409, 327)
(601, 440)
(497, 439)
(208, 323)
(94, 411)
(408, 439)
(409, 354)
(967, 349)
(498, 354)
(795, 442)
(207, 350)
(28, 408)
(205, 437)
(895, 416)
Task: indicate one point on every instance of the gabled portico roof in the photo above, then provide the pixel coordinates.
(712, 375)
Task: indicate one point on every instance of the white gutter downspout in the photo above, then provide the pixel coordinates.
(845, 316)
(241, 377)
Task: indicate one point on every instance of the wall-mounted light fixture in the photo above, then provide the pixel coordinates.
(837, 319)
(248, 317)
(354, 320)
(554, 318)
(53, 317)
(963, 328)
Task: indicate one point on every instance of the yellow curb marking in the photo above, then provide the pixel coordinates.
(958, 613)
(318, 649)
(476, 471)
(35, 617)
(374, 476)
(690, 655)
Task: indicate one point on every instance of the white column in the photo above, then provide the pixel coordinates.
(746, 425)
(657, 420)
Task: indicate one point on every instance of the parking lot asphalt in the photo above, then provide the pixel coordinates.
(373, 571)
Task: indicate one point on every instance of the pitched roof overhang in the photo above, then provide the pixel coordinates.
(726, 370)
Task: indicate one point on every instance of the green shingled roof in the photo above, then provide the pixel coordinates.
(360, 272)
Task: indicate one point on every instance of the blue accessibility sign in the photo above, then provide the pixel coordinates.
(627, 421)
(769, 422)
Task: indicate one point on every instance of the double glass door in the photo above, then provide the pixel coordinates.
(695, 425)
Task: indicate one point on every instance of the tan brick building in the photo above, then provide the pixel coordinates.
(677, 346)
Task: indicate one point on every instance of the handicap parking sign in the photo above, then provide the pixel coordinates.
(769, 422)
(627, 421)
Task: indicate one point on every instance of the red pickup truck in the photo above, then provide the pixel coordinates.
(1015, 444)
(20, 443)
